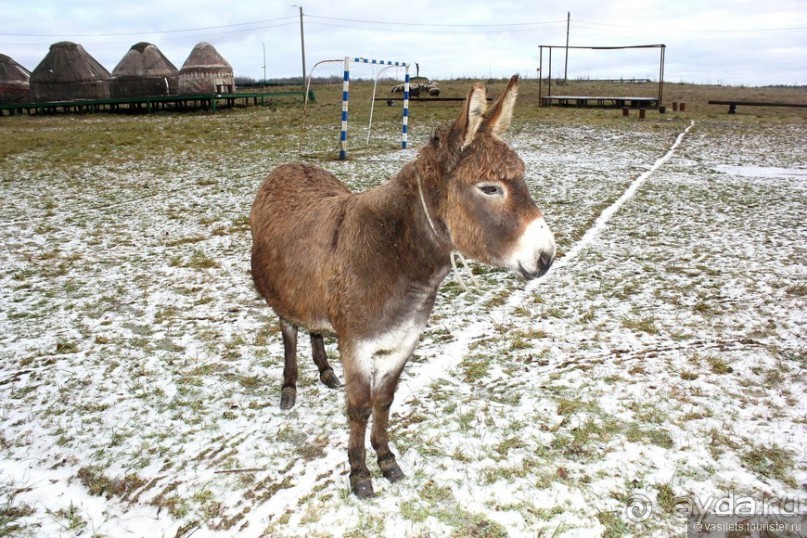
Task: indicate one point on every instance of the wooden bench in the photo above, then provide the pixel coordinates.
(733, 104)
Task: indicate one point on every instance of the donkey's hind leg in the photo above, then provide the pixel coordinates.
(326, 373)
(288, 394)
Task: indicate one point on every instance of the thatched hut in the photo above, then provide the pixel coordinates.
(144, 71)
(68, 72)
(14, 81)
(206, 71)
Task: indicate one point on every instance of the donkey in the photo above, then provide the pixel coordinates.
(366, 267)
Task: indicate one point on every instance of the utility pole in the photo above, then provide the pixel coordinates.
(302, 41)
(566, 65)
(264, 63)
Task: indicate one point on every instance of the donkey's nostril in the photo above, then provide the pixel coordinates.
(544, 263)
(546, 260)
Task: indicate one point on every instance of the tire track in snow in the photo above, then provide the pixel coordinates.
(598, 226)
(453, 352)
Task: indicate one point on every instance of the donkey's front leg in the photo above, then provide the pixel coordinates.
(383, 395)
(357, 394)
(288, 394)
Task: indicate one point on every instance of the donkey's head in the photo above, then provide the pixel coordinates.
(486, 205)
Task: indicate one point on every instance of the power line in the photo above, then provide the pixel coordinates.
(434, 25)
(701, 31)
(413, 30)
(199, 29)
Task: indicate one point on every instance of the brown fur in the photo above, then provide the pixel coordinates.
(367, 266)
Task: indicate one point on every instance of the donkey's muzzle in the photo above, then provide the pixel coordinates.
(544, 262)
(535, 252)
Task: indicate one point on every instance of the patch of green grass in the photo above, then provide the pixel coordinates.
(511, 443)
(583, 440)
(645, 325)
(718, 366)
(69, 519)
(97, 483)
(566, 406)
(638, 433)
(475, 367)
(665, 498)
(439, 334)
(555, 312)
(65, 347)
(719, 441)
(414, 510)
(614, 525)
(11, 512)
(799, 290)
(438, 501)
(200, 260)
(478, 526)
(771, 462)
(189, 240)
(251, 382)
(499, 299)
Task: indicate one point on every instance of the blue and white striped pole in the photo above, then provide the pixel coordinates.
(345, 99)
(405, 120)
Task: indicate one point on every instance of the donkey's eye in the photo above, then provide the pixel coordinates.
(490, 189)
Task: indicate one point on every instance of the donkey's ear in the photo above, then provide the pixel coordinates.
(497, 119)
(472, 114)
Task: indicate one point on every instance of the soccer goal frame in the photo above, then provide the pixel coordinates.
(544, 100)
(346, 100)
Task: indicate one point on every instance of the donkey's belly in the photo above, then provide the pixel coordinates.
(294, 219)
(294, 283)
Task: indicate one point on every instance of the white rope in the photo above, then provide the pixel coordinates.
(423, 203)
(457, 273)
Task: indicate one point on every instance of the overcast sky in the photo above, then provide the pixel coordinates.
(722, 41)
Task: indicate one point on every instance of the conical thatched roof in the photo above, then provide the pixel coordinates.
(69, 72)
(14, 81)
(206, 71)
(144, 71)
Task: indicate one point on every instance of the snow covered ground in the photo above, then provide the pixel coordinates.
(658, 368)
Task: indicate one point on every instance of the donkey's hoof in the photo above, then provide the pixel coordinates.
(287, 398)
(329, 379)
(392, 471)
(362, 487)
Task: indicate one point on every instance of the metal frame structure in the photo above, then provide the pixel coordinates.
(662, 51)
(346, 100)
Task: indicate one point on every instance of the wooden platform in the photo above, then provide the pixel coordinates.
(148, 104)
(600, 101)
(733, 104)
